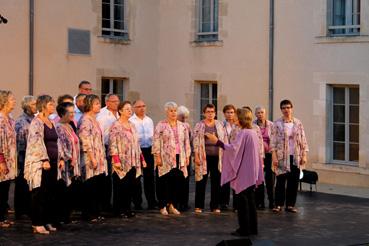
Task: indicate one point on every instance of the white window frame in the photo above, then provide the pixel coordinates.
(112, 19)
(347, 126)
(200, 33)
(350, 18)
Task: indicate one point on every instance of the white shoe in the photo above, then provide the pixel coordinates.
(49, 227)
(164, 211)
(173, 210)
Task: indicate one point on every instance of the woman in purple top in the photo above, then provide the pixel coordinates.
(242, 167)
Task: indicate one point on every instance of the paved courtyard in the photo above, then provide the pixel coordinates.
(324, 219)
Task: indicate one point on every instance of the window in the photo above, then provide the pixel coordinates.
(345, 124)
(343, 17)
(112, 85)
(79, 41)
(208, 94)
(114, 21)
(208, 20)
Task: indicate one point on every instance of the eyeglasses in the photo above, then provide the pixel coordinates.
(286, 107)
(141, 106)
(86, 89)
(209, 112)
(72, 112)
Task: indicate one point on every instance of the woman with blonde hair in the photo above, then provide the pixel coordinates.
(8, 152)
(242, 167)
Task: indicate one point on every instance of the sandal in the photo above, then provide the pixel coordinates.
(198, 210)
(277, 209)
(216, 211)
(4, 224)
(40, 230)
(291, 209)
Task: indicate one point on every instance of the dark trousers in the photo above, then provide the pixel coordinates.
(137, 194)
(288, 194)
(22, 195)
(247, 217)
(185, 195)
(93, 190)
(225, 194)
(44, 204)
(108, 186)
(212, 167)
(4, 196)
(149, 177)
(269, 183)
(123, 191)
(169, 187)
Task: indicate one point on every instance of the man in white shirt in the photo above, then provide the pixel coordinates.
(145, 128)
(79, 105)
(107, 116)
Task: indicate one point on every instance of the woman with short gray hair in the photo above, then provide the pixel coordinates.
(22, 196)
(8, 152)
(172, 151)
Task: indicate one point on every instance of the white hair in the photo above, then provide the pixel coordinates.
(182, 110)
(170, 105)
(260, 108)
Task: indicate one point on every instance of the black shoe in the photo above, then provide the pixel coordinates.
(152, 207)
(271, 205)
(138, 207)
(224, 207)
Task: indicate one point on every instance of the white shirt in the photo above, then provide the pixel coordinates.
(106, 119)
(145, 130)
(77, 114)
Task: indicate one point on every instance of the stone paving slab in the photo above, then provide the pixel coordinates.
(323, 219)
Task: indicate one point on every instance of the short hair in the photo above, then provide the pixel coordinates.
(64, 97)
(229, 107)
(80, 95)
(244, 118)
(169, 105)
(122, 104)
(89, 100)
(61, 109)
(285, 102)
(108, 96)
(4, 97)
(259, 108)
(83, 82)
(26, 101)
(182, 110)
(42, 101)
(209, 105)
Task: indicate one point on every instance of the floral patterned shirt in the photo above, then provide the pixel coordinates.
(8, 147)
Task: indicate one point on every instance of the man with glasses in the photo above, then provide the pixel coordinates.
(107, 116)
(145, 128)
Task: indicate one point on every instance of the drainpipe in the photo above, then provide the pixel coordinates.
(271, 58)
(31, 35)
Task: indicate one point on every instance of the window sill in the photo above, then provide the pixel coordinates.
(342, 39)
(344, 168)
(207, 43)
(114, 40)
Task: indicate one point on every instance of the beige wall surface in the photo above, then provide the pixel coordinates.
(162, 62)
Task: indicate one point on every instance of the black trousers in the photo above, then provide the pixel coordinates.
(44, 204)
(123, 191)
(185, 195)
(93, 190)
(108, 186)
(269, 183)
(170, 186)
(149, 177)
(225, 194)
(137, 194)
(212, 167)
(247, 216)
(4, 196)
(22, 195)
(288, 194)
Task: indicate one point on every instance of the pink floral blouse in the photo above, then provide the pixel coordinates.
(124, 145)
(8, 147)
(199, 147)
(164, 145)
(279, 144)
